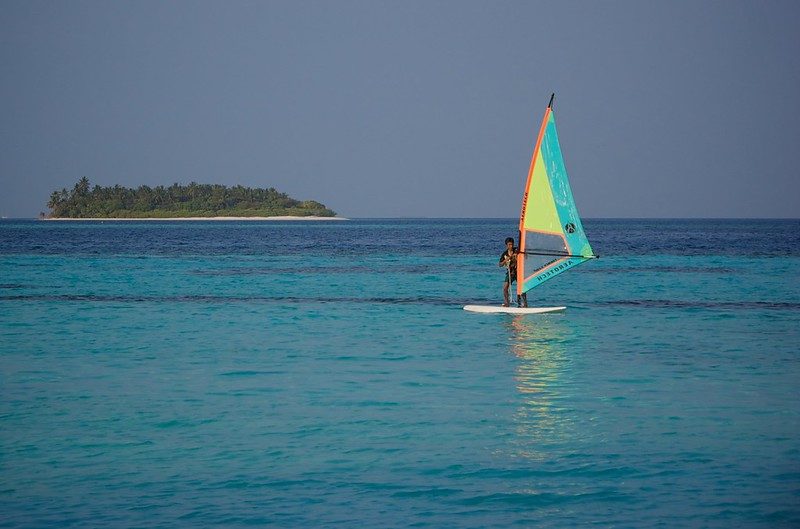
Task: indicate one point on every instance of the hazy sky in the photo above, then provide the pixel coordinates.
(408, 108)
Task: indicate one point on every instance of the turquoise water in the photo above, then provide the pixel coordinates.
(323, 374)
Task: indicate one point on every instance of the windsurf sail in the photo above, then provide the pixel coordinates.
(551, 236)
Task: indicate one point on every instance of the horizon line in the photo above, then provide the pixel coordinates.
(515, 219)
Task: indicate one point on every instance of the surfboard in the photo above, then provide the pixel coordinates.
(494, 309)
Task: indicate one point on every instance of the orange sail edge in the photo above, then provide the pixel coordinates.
(522, 238)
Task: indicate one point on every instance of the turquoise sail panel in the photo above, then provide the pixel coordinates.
(572, 228)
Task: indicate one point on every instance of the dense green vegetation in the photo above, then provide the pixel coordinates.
(194, 200)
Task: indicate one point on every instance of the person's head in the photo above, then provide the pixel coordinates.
(510, 240)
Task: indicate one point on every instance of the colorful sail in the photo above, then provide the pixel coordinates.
(551, 236)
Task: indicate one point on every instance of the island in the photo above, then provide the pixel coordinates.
(193, 201)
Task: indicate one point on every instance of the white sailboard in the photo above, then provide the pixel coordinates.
(496, 309)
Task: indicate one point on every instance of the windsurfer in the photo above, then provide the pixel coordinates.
(508, 259)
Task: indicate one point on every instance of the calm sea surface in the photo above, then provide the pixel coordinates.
(186, 374)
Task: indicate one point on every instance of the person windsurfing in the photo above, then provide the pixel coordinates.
(508, 259)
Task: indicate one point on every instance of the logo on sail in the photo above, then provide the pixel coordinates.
(553, 271)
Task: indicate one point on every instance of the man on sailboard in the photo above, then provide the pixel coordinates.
(508, 259)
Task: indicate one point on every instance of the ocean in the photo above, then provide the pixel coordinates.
(324, 374)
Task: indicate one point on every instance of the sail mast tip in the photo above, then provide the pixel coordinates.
(552, 96)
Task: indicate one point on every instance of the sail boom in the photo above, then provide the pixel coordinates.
(554, 254)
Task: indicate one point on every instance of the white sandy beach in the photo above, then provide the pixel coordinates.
(281, 218)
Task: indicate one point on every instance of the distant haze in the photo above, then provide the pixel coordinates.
(408, 109)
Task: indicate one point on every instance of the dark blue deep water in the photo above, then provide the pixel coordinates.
(317, 374)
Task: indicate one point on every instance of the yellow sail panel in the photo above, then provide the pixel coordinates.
(540, 213)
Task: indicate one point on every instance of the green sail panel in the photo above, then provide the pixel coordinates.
(551, 236)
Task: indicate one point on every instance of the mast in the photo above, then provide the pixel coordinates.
(522, 232)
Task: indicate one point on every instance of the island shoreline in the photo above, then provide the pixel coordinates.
(152, 219)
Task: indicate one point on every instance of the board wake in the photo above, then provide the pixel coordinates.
(495, 309)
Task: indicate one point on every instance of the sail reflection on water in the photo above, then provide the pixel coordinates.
(542, 420)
